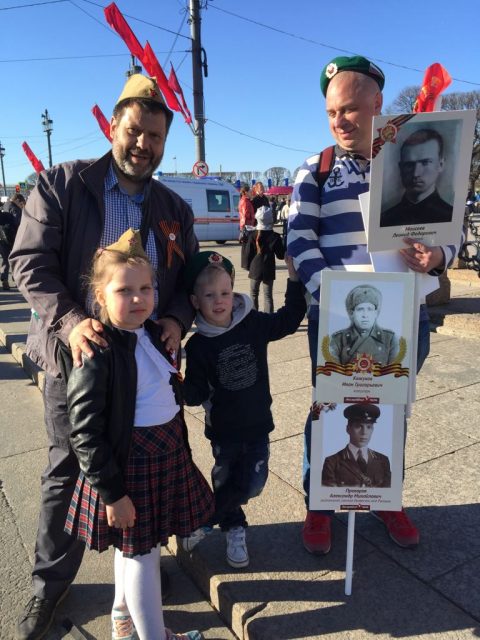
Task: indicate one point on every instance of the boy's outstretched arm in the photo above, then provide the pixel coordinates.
(286, 320)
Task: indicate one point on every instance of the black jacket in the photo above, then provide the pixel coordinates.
(230, 371)
(262, 265)
(260, 201)
(61, 228)
(428, 211)
(101, 397)
(10, 216)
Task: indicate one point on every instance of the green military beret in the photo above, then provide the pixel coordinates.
(363, 293)
(139, 86)
(201, 260)
(362, 411)
(355, 63)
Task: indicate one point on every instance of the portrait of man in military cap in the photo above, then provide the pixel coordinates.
(364, 335)
(356, 465)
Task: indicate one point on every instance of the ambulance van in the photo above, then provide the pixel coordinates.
(214, 203)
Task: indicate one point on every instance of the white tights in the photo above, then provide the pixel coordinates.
(138, 590)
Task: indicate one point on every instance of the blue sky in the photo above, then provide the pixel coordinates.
(262, 82)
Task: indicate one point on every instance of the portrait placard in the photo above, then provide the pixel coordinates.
(364, 337)
(419, 178)
(357, 457)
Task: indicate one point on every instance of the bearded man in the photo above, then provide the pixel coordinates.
(75, 208)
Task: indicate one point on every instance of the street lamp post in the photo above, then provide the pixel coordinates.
(133, 68)
(175, 161)
(47, 127)
(2, 153)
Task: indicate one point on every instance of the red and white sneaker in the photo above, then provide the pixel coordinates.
(316, 534)
(400, 528)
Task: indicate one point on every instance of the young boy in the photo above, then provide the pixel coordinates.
(227, 372)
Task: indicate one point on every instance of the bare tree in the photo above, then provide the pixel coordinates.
(458, 102)
(450, 102)
(277, 174)
(405, 101)
(248, 176)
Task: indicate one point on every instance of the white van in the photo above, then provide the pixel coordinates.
(214, 203)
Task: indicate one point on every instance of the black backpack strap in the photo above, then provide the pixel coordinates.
(325, 165)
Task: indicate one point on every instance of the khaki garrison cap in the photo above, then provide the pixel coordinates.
(142, 87)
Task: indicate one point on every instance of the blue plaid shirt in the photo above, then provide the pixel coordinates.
(123, 211)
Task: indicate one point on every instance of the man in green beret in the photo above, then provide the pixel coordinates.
(326, 231)
(357, 465)
(75, 208)
(364, 335)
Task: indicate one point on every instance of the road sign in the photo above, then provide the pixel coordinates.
(200, 169)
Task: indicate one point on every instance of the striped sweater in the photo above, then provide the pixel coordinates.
(325, 227)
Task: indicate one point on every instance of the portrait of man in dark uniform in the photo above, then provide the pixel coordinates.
(357, 465)
(422, 161)
(364, 336)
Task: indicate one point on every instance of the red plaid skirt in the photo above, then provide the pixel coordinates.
(170, 495)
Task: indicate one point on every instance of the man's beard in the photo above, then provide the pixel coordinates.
(131, 171)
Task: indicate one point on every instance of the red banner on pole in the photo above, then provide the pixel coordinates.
(153, 68)
(102, 121)
(36, 163)
(174, 85)
(118, 23)
(436, 79)
(148, 59)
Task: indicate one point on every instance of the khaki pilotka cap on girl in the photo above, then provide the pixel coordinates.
(129, 243)
(140, 86)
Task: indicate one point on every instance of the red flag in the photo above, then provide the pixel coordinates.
(154, 70)
(102, 121)
(435, 81)
(116, 20)
(36, 163)
(174, 85)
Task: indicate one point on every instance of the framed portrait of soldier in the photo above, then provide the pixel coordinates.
(365, 337)
(419, 178)
(357, 457)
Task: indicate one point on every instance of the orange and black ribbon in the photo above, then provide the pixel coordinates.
(391, 128)
(170, 230)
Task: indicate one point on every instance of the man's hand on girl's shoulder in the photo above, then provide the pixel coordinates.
(88, 329)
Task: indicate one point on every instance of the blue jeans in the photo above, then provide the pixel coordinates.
(240, 473)
(423, 350)
(4, 269)
(267, 294)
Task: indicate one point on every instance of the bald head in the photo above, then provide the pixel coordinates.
(352, 101)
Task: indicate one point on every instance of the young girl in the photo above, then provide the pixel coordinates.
(264, 245)
(138, 484)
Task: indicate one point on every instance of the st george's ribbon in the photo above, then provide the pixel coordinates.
(170, 231)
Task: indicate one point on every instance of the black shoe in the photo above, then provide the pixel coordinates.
(166, 584)
(37, 618)
(5, 285)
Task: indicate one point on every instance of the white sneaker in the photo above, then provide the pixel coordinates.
(237, 554)
(195, 537)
